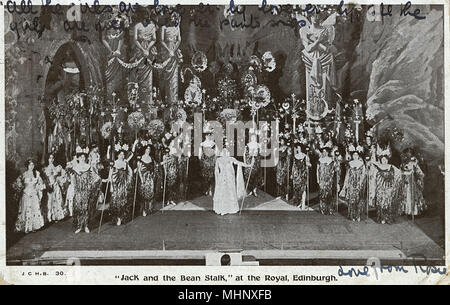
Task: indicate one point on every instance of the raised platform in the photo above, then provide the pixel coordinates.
(271, 236)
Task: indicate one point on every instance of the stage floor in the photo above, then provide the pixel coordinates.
(279, 234)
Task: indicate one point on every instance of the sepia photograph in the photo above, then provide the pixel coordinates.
(224, 135)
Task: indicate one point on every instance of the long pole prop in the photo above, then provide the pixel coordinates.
(135, 190)
(246, 186)
(337, 193)
(265, 181)
(186, 180)
(368, 192)
(164, 189)
(413, 197)
(104, 201)
(287, 178)
(307, 185)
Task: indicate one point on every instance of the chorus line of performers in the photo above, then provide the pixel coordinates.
(76, 191)
(362, 176)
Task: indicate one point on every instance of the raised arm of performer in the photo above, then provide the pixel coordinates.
(132, 151)
(243, 164)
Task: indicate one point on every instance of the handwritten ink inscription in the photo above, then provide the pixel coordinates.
(235, 16)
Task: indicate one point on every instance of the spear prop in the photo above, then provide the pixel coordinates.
(246, 186)
(104, 200)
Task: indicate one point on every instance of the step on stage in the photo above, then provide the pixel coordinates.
(269, 231)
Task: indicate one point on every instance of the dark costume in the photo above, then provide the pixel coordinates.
(121, 188)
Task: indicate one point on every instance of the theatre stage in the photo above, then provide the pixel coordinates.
(268, 229)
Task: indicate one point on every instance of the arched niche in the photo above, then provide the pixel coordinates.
(60, 83)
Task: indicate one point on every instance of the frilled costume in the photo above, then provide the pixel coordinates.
(354, 189)
(282, 172)
(30, 217)
(413, 202)
(86, 189)
(299, 178)
(121, 188)
(326, 177)
(387, 193)
(146, 186)
(54, 178)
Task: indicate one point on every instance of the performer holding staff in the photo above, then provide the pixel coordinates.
(170, 166)
(146, 175)
(251, 155)
(299, 176)
(413, 201)
(354, 188)
(326, 178)
(282, 168)
(30, 185)
(387, 192)
(121, 178)
(229, 186)
(86, 188)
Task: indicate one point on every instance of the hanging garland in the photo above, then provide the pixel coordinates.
(124, 64)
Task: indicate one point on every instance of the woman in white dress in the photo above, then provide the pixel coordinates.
(227, 191)
(30, 217)
(55, 203)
